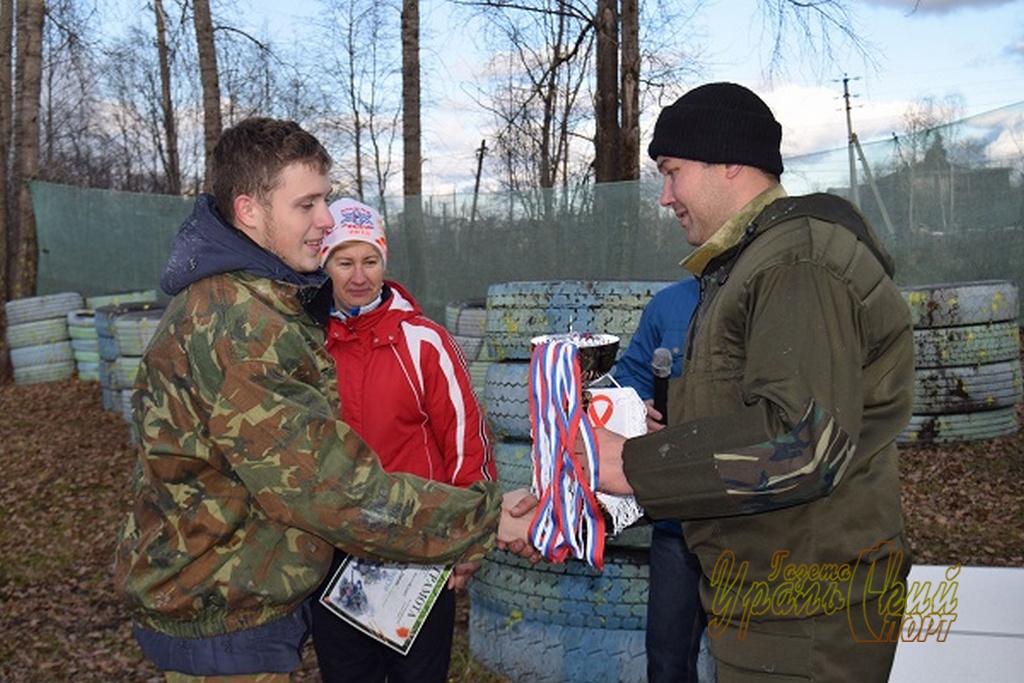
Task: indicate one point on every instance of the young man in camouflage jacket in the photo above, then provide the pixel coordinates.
(246, 479)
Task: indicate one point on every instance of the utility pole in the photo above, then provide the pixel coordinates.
(476, 185)
(851, 142)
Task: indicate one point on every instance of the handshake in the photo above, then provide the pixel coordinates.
(519, 506)
(517, 511)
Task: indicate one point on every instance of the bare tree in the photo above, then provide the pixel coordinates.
(535, 98)
(27, 87)
(607, 131)
(622, 71)
(170, 157)
(927, 150)
(412, 151)
(6, 126)
(210, 79)
(365, 104)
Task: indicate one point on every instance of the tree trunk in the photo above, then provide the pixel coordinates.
(630, 164)
(608, 135)
(27, 88)
(6, 126)
(170, 157)
(210, 80)
(353, 98)
(412, 154)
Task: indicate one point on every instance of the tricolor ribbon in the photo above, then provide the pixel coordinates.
(568, 521)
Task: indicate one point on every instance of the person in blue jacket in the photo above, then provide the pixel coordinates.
(675, 618)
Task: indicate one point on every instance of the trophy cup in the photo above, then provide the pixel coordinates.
(574, 517)
(596, 354)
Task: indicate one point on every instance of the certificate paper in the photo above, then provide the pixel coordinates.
(388, 601)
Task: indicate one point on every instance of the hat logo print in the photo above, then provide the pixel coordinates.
(358, 221)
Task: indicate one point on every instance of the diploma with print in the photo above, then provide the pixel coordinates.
(388, 601)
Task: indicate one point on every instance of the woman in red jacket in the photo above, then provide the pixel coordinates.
(406, 391)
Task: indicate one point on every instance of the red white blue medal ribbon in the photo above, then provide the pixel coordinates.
(568, 521)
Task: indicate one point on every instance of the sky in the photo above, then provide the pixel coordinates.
(969, 49)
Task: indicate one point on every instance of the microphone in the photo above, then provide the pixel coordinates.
(661, 366)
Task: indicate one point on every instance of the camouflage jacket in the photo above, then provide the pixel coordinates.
(246, 478)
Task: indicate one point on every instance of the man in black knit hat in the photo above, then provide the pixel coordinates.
(798, 375)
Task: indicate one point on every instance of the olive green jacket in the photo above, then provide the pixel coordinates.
(246, 478)
(780, 450)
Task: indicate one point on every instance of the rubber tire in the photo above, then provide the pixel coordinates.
(125, 368)
(981, 424)
(82, 317)
(88, 372)
(50, 372)
(506, 395)
(107, 347)
(82, 332)
(470, 346)
(37, 332)
(87, 357)
(519, 311)
(466, 318)
(80, 344)
(46, 307)
(961, 303)
(42, 354)
(138, 296)
(477, 376)
(966, 345)
(561, 623)
(135, 329)
(968, 388)
(106, 315)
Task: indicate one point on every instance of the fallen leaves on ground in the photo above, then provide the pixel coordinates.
(65, 464)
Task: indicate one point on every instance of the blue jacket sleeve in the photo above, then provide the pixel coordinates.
(663, 323)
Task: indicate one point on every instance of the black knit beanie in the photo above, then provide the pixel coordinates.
(719, 123)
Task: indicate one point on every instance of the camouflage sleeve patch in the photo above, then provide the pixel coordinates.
(804, 464)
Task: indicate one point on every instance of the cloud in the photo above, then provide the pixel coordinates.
(813, 118)
(932, 7)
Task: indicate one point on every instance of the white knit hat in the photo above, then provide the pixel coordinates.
(354, 222)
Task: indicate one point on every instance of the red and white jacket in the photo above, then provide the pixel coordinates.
(406, 391)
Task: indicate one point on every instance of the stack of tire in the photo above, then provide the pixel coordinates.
(123, 331)
(38, 339)
(82, 330)
(556, 623)
(104, 309)
(465, 320)
(967, 361)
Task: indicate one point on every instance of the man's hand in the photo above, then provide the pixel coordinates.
(653, 417)
(514, 527)
(611, 477)
(461, 574)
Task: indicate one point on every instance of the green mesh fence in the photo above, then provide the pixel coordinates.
(948, 205)
(99, 242)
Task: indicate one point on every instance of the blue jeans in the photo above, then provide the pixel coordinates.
(675, 618)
